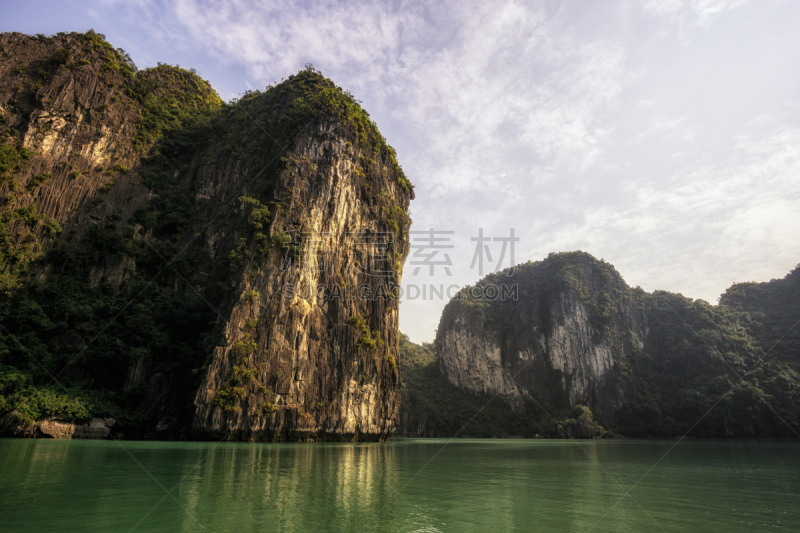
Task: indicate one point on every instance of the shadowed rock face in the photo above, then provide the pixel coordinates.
(74, 118)
(557, 341)
(273, 212)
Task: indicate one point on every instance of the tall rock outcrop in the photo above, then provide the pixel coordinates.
(318, 326)
(191, 267)
(556, 334)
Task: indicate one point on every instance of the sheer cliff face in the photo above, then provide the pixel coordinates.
(559, 342)
(298, 321)
(267, 233)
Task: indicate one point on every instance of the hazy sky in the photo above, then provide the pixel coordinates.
(663, 137)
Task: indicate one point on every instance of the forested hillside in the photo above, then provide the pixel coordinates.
(646, 364)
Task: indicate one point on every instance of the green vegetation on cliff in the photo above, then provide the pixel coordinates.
(431, 406)
(11, 159)
(775, 313)
(545, 282)
(89, 335)
(703, 372)
(180, 113)
(177, 107)
(280, 113)
(83, 328)
(31, 403)
(713, 371)
(21, 231)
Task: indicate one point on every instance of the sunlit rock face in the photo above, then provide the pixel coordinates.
(557, 338)
(317, 378)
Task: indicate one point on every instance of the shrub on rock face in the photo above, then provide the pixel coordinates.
(580, 425)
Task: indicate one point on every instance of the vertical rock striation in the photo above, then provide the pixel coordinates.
(299, 319)
(557, 338)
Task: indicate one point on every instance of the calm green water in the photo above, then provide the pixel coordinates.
(467, 485)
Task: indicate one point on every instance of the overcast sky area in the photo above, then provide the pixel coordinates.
(663, 137)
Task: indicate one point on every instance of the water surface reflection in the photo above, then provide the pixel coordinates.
(465, 486)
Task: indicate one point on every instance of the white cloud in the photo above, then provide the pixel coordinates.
(692, 12)
(277, 38)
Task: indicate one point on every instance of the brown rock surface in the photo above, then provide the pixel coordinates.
(97, 428)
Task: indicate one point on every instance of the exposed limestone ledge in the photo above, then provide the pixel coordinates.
(96, 428)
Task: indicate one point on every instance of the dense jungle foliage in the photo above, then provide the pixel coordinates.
(705, 372)
(775, 313)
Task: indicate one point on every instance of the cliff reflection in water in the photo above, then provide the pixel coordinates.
(291, 487)
(465, 485)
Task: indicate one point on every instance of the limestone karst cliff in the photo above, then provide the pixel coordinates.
(645, 364)
(557, 339)
(185, 267)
